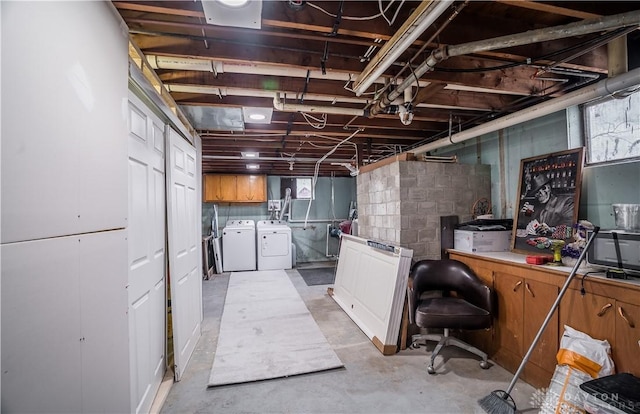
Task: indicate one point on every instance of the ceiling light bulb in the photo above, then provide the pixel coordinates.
(234, 3)
(291, 166)
(257, 117)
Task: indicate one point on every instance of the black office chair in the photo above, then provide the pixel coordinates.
(446, 294)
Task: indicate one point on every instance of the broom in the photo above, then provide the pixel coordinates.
(501, 402)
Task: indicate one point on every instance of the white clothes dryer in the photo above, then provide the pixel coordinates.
(274, 245)
(239, 246)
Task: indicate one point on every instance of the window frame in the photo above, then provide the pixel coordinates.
(584, 109)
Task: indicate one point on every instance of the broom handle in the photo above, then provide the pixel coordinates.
(552, 310)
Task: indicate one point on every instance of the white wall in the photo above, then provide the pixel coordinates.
(64, 208)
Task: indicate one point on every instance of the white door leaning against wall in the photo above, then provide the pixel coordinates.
(184, 249)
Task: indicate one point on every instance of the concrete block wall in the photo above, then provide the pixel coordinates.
(401, 203)
(378, 193)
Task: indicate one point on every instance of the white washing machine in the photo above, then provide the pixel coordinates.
(274, 245)
(239, 245)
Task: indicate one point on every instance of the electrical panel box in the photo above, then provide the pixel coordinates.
(274, 205)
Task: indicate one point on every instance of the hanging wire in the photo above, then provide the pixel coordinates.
(320, 122)
(415, 95)
(375, 16)
(390, 22)
(317, 170)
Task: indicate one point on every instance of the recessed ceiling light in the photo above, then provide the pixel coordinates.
(234, 3)
(253, 167)
(234, 13)
(249, 154)
(257, 117)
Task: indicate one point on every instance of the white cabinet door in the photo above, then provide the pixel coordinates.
(41, 337)
(63, 153)
(102, 268)
(185, 247)
(64, 325)
(146, 258)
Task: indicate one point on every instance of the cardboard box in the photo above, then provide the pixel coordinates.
(482, 241)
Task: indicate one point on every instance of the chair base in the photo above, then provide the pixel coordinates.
(446, 340)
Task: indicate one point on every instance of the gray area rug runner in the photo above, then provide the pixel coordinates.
(267, 332)
(318, 276)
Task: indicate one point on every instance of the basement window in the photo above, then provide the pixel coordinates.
(612, 128)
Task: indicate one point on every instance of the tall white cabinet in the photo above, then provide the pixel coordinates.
(64, 209)
(83, 216)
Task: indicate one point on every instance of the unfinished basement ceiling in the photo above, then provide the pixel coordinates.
(310, 55)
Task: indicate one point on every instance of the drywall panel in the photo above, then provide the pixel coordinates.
(370, 287)
(63, 126)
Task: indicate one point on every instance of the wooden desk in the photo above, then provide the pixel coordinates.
(610, 309)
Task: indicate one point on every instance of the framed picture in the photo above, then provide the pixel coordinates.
(548, 200)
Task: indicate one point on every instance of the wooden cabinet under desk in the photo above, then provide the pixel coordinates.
(608, 312)
(610, 309)
(232, 188)
(523, 304)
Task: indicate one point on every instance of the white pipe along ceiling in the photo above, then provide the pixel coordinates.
(532, 36)
(217, 67)
(423, 17)
(603, 88)
(285, 107)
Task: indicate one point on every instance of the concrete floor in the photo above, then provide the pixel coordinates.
(369, 382)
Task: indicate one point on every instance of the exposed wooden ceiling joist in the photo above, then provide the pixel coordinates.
(461, 91)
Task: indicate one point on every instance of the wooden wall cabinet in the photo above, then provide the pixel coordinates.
(252, 188)
(609, 310)
(219, 187)
(235, 188)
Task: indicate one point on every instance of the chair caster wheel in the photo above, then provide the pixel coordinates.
(430, 370)
(414, 345)
(484, 365)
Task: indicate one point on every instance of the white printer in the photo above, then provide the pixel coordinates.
(483, 236)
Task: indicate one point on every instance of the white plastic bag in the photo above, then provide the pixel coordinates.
(580, 358)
